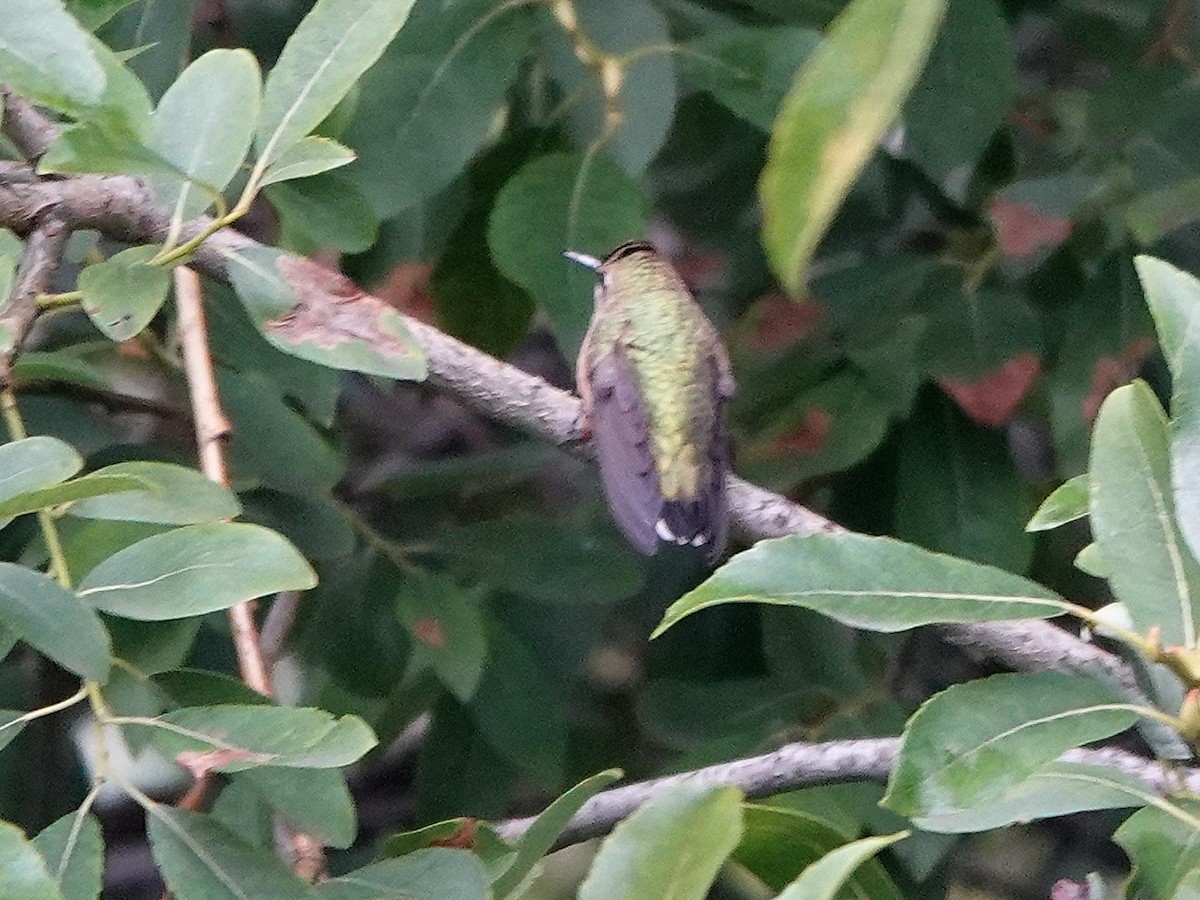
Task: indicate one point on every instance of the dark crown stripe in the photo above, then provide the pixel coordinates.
(628, 249)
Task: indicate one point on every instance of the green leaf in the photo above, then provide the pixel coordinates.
(671, 847)
(433, 874)
(309, 156)
(324, 211)
(974, 742)
(122, 294)
(34, 463)
(335, 43)
(73, 849)
(200, 859)
(540, 836)
(194, 570)
(842, 102)
(248, 736)
(965, 89)
(778, 844)
(316, 801)
(868, 582)
(822, 880)
(446, 623)
(1057, 789)
(170, 494)
(46, 57)
(89, 148)
(1066, 503)
(23, 874)
(94, 13)
(300, 308)
(203, 126)
(563, 202)
(543, 560)
(1174, 300)
(53, 621)
(1133, 516)
(1161, 839)
(76, 489)
(748, 70)
(430, 104)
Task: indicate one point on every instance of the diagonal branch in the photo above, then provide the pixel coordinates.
(43, 252)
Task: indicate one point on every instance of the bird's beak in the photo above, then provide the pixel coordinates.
(583, 259)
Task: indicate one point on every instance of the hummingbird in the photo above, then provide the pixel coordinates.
(655, 379)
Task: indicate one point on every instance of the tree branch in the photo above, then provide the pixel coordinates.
(802, 765)
(43, 251)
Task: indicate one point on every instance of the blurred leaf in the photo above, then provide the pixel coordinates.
(34, 463)
(958, 491)
(195, 569)
(1068, 502)
(822, 880)
(94, 13)
(1057, 789)
(432, 100)
(200, 859)
(53, 621)
(748, 70)
(972, 333)
(310, 521)
(974, 742)
(73, 849)
(543, 560)
(23, 872)
(325, 210)
(459, 773)
(309, 156)
(1161, 841)
(432, 874)
(540, 836)
(1154, 214)
(46, 57)
(337, 41)
(153, 647)
(87, 486)
(316, 801)
(10, 719)
(122, 294)
(1133, 516)
(778, 844)
(868, 582)
(203, 126)
(1033, 216)
(671, 847)
(841, 103)
(170, 494)
(447, 627)
(555, 203)
(965, 90)
(232, 738)
(158, 38)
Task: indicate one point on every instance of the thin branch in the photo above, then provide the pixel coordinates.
(802, 765)
(43, 252)
(123, 208)
(277, 624)
(30, 131)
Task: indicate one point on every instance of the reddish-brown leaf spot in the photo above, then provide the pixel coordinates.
(331, 310)
(200, 762)
(810, 438)
(1110, 372)
(428, 630)
(778, 322)
(463, 837)
(406, 289)
(1022, 231)
(994, 398)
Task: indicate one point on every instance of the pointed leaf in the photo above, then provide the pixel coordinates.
(842, 102)
(34, 463)
(82, 488)
(974, 742)
(203, 126)
(46, 57)
(167, 493)
(869, 582)
(555, 203)
(1068, 502)
(1152, 568)
(23, 874)
(194, 570)
(446, 623)
(672, 847)
(432, 874)
(200, 859)
(73, 849)
(316, 801)
(122, 294)
(310, 156)
(53, 621)
(335, 43)
(1161, 839)
(824, 879)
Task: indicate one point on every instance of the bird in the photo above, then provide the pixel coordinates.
(654, 380)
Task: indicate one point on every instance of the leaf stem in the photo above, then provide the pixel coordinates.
(57, 301)
(47, 710)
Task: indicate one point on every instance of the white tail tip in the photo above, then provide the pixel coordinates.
(583, 259)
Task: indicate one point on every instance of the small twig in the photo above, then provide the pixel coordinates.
(30, 131)
(41, 257)
(277, 624)
(802, 765)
